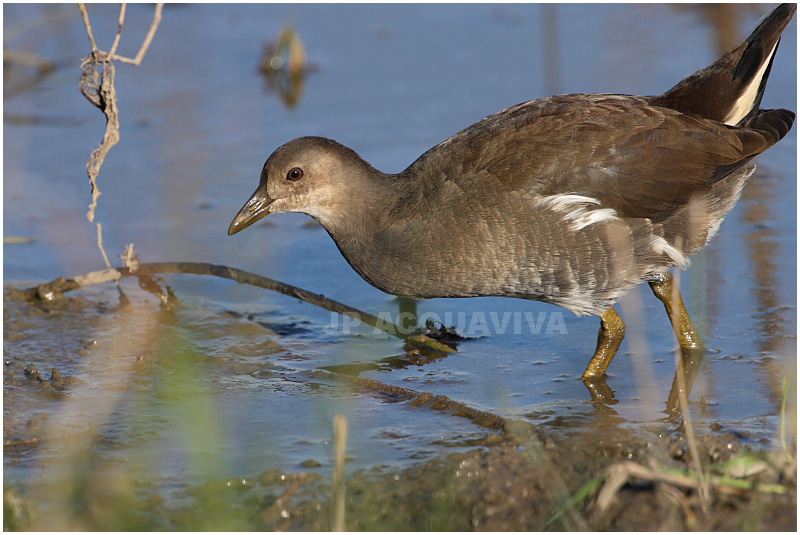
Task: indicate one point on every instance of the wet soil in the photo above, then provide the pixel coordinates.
(507, 475)
(519, 481)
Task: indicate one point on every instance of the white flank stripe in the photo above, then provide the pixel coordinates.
(575, 209)
(584, 218)
(560, 202)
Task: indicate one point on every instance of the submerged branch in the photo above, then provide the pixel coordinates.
(52, 290)
(436, 401)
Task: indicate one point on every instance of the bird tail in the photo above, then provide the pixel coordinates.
(730, 90)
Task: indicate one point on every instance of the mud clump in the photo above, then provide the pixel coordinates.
(540, 484)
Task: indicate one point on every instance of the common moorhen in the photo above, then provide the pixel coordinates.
(572, 200)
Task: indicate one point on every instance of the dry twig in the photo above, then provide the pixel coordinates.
(620, 473)
(123, 8)
(97, 85)
(147, 40)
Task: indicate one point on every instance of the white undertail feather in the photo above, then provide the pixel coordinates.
(713, 229)
(745, 102)
(662, 246)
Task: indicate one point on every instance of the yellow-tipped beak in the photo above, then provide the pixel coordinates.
(253, 210)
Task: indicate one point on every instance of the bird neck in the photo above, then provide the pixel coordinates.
(363, 208)
(361, 228)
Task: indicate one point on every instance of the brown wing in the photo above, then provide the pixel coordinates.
(642, 160)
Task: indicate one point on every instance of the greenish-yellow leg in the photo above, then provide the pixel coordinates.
(669, 294)
(612, 331)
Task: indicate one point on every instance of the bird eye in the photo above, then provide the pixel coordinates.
(294, 174)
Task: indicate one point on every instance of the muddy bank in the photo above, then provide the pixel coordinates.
(521, 479)
(70, 465)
